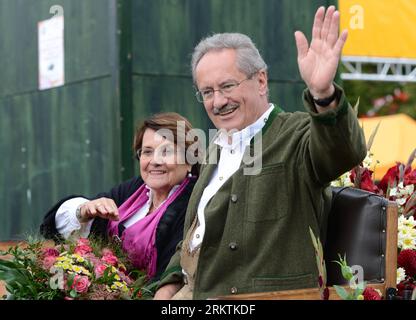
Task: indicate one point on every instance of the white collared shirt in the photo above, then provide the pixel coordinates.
(66, 221)
(230, 160)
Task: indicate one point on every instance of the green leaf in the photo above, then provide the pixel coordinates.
(410, 160)
(73, 293)
(355, 108)
(346, 273)
(313, 239)
(359, 290)
(342, 292)
(372, 136)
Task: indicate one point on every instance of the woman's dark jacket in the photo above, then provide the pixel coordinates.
(169, 230)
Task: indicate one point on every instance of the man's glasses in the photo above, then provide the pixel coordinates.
(226, 89)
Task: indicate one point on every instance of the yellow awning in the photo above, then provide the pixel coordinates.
(379, 28)
(395, 140)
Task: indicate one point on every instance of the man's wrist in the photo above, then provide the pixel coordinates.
(324, 99)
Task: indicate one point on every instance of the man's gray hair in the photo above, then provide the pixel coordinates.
(249, 60)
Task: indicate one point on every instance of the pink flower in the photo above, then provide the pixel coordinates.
(107, 251)
(83, 241)
(82, 249)
(92, 258)
(48, 262)
(110, 259)
(81, 284)
(99, 270)
(50, 252)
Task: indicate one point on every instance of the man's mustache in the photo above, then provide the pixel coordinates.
(224, 109)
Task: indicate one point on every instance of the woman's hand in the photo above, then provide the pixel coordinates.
(104, 208)
(318, 63)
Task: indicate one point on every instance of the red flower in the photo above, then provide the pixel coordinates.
(366, 182)
(407, 260)
(406, 284)
(391, 176)
(410, 178)
(371, 294)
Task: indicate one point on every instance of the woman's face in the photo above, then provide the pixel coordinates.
(161, 165)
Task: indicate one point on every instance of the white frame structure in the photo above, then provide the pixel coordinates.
(387, 69)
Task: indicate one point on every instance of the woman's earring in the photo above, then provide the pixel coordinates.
(189, 174)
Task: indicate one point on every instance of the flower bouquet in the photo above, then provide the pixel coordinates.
(79, 269)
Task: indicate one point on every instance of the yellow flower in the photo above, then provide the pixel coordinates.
(360, 297)
(76, 269)
(119, 285)
(78, 258)
(63, 259)
(64, 265)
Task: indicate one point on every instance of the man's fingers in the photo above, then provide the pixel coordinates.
(327, 22)
(340, 42)
(317, 24)
(333, 30)
(301, 44)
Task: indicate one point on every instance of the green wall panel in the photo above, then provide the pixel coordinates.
(56, 145)
(124, 60)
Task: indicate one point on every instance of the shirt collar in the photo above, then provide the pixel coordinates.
(150, 193)
(243, 137)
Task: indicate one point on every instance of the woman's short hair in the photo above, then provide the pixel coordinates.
(175, 124)
(249, 60)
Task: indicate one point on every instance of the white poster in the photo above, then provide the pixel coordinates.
(51, 53)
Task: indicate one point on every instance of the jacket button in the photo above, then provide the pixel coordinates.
(234, 198)
(233, 246)
(234, 290)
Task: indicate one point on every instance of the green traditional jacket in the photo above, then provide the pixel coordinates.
(257, 226)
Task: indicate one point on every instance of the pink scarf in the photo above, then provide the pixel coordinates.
(139, 240)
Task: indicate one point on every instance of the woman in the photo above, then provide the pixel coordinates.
(146, 214)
